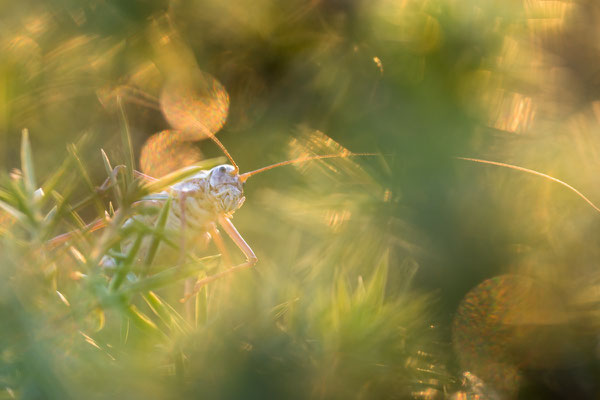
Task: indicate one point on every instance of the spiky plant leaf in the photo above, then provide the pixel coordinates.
(27, 163)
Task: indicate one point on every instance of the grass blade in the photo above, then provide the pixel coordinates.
(201, 304)
(141, 320)
(166, 314)
(168, 276)
(180, 174)
(125, 267)
(124, 333)
(126, 139)
(160, 226)
(57, 177)
(27, 163)
(86, 177)
(18, 215)
(112, 177)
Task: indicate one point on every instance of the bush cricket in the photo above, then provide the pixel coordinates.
(207, 200)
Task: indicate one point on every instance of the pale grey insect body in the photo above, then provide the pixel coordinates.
(197, 203)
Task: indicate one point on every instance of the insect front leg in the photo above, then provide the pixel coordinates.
(214, 233)
(251, 258)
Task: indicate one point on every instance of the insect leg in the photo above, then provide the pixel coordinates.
(251, 259)
(218, 239)
(214, 234)
(188, 287)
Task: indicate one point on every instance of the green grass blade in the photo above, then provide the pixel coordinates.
(57, 177)
(160, 226)
(106, 162)
(158, 308)
(168, 276)
(141, 320)
(167, 315)
(126, 140)
(22, 204)
(51, 215)
(125, 266)
(63, 206)
(112, 177)
(6, 196)
(18, 215)
(179, 175)
(201, 304)
(86, 177)
(27, 163)
(124, 333)
(376, 287)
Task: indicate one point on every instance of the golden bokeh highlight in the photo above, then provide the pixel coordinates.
(198, 107)
(505, 324)
(194, 109)
(166, 152)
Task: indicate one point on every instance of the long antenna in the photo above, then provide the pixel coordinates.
(149, 99)
(533, 172)
(246, 175)
(221, 146)
(243, 177)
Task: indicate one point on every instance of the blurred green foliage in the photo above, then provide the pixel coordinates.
(374, 273)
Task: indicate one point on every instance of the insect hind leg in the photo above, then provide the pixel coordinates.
(251, 258)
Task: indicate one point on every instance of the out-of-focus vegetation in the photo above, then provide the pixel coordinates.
(412, 274)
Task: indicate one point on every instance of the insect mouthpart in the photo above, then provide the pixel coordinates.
(226, 188)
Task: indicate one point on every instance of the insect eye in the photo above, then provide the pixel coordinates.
(222, 170)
